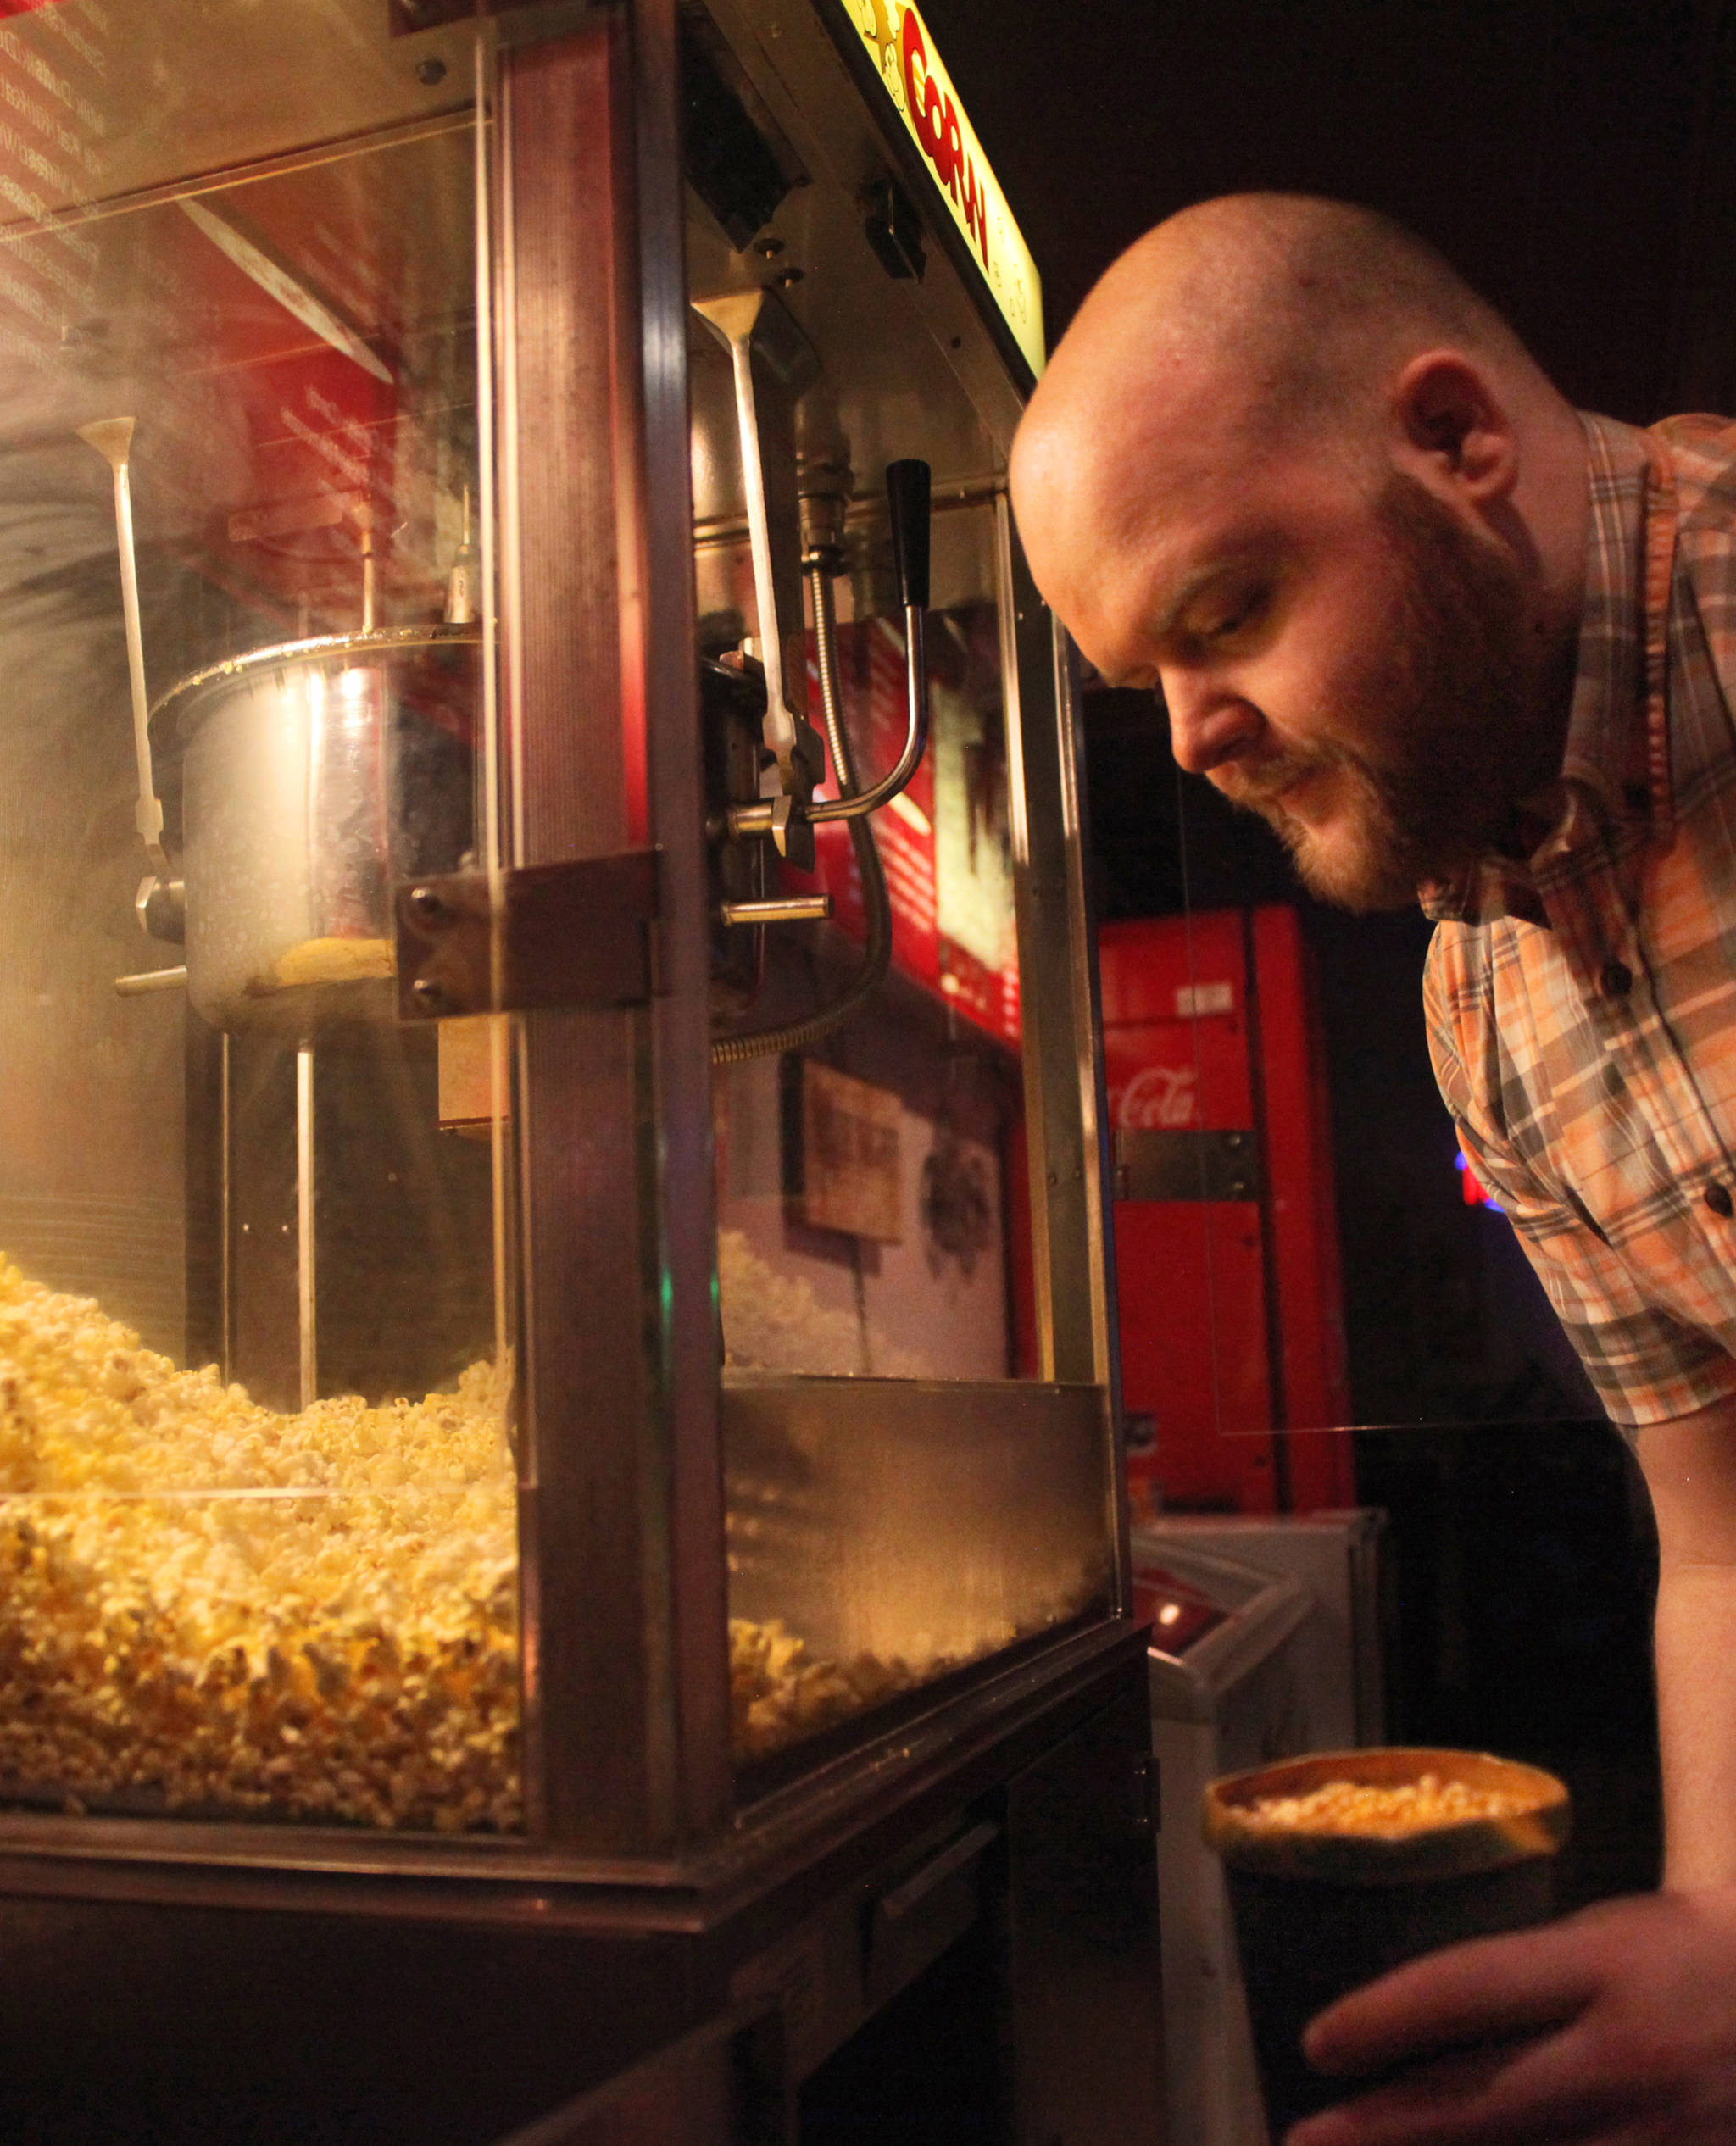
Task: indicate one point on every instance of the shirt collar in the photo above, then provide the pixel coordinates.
(1603, 774)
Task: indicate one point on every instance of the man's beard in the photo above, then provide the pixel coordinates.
(1449, 690)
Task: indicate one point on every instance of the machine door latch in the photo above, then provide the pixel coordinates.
(1186, 1164)
(573, 935)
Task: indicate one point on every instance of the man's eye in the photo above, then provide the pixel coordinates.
(1243, 612)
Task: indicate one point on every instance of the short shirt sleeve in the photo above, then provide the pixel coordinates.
(1646, 1366)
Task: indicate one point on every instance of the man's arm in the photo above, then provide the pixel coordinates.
(1690, 1469)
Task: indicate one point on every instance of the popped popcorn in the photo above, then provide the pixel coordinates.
(773, 1322)
(1386, 1812)
(206, 1605)
(779, 1692)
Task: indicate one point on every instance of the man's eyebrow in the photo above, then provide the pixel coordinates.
(1168, 616)
(1165, 619)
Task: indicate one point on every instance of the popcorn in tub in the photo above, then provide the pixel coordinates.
(1363, 1807)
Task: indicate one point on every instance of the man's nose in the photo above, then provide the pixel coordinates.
(1208, 724)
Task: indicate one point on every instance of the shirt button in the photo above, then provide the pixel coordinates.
(1616, 980)
(1718, 1198)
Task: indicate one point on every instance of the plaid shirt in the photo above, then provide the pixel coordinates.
(1581, 1007)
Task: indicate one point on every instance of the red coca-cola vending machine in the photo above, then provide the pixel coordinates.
(1232, 1348)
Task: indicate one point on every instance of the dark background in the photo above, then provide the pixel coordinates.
(1574, 159)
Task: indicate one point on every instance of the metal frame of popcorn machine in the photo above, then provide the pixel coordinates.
(542, 808)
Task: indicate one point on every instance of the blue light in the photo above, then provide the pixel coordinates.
(1461, 1166)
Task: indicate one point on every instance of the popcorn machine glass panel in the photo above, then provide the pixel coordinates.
(907, 1498)
(258, 1550)
(870, 1168)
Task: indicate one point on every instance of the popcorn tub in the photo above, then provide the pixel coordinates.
(1345, 1865)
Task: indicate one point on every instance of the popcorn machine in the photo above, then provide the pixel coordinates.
(548, 1022)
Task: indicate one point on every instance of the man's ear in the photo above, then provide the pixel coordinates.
(1455, 431)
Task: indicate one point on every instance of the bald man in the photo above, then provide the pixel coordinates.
(1455, 640)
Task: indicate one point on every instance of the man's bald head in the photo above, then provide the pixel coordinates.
(1312, 304)
(1274, 321)
(1303, 307)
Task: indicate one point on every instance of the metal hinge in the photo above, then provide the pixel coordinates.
(574, 935)
(1186, 1165)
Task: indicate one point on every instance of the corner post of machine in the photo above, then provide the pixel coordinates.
(619, 1437)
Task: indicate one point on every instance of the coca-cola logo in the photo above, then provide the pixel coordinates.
(1158, 1098)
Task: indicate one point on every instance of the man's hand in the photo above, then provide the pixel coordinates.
(1616, 2027)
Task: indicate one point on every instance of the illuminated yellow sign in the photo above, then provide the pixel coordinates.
(898, 41)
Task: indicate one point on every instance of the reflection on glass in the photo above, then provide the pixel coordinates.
(256, 1491)
(863, 1188)
(884, 1534)
(887, 1530)
(906, 1501)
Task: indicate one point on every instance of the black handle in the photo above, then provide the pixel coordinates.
(907, 495)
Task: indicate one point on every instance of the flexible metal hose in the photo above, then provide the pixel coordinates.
(876, 955)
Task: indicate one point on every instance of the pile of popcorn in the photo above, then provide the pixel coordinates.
(778, 1693)
(209, 1607)
(206, 1605)
(773, 1322)
(1404, 1807)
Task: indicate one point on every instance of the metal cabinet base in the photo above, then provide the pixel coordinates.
(934, 1975)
